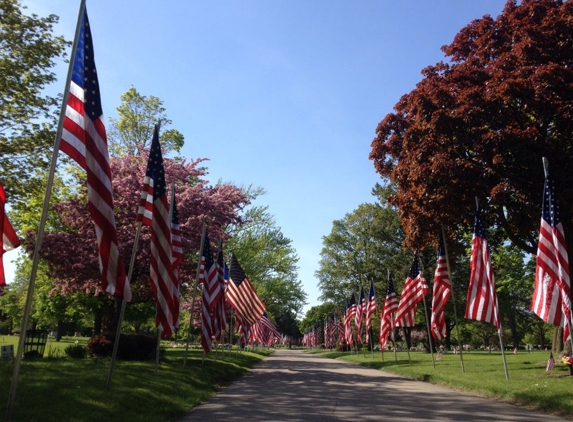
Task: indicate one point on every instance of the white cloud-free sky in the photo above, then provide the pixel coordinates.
(282, 94)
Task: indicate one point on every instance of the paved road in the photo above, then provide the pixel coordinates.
(291, 385)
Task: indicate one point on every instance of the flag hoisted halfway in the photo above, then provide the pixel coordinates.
(84, 140)
(414, 291)
(161, 261)
(441, 293)
(551, 296)
(482, 297)
(242, 296)
(9, 237)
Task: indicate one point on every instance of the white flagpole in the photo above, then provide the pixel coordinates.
(193, 288)
(42, 226)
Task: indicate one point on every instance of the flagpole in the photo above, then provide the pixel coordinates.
(430, 342)
(193, 300)
(407, 348)
(42, 225)
(496, 311)
(453, 298)
(123, 306)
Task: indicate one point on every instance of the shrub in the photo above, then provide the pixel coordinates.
(76, 351)
(130, 347)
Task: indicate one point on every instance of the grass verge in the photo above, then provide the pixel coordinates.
(529, 384)
(59, 388)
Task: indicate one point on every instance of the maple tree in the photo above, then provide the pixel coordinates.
(480, 124)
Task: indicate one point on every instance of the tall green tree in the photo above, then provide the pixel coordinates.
(132, 131)
(269, 260)
(28, 53)
(363, 246)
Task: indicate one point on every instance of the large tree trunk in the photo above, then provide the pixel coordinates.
(513, 325)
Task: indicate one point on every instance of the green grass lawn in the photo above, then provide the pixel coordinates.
(58, 388)
(529, 384)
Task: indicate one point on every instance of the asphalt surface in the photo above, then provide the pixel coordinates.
(291, 385)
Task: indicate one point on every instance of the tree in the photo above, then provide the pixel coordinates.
(28, 52)
(480, 124)
(71, 250)
(269, 261)
(132, 131)
(361, 247)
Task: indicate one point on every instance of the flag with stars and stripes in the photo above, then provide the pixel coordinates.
(242, 296)
(482, 297)
(9, 237)
(387, 318)
(349, 313)
(84, 140)
(370, 310)
(360, 310)
(414, 291)
(440, 295)
(552, 294)
(161, 261)
(176, 258)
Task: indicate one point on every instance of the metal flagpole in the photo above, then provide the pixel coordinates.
(431, 343)
(407, 348)
(42, 226)
(193, 300)
(453, 298)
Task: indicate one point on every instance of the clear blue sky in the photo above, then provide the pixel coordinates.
(282, 94)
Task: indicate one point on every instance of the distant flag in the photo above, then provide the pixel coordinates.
(439, 355)
(440, 295)
(84, 140)
(552, 294)
(219, 310)
(9, 237)
(360, 311)
(176, 258)
(242, 296)
(161, 261)
(515, 350)
(349, 313)
(212, 287)
(387, 319)
(482, 297)
(550, 363)
(370, 310)
(208, 277)
(414, 291)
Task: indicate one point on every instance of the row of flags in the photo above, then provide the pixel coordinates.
(551, 297)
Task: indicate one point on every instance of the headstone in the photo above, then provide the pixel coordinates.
(7, 351)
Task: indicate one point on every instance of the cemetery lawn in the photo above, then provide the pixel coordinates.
(529, 384)
(58, 388)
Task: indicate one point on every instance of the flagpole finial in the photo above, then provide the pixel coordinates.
(477, 203)
(545, 165)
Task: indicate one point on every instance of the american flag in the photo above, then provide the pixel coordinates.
(370, 310)
(219, 310)
(441, 294)
(360, 310)
(84, 140)
(242, 296)
(269, 331)
(161, 261)
(176, 258)
(550, 362)
(387, 319)
(208, 277)
(9, 237)
(349, 313)
(551, 296)
(414, 291)
(482, 297)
